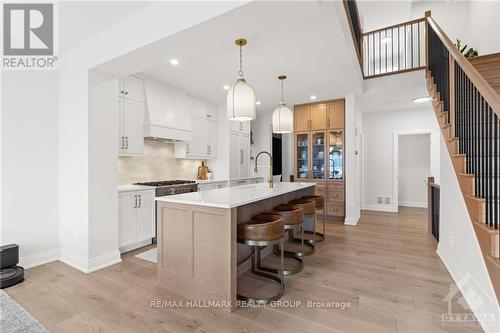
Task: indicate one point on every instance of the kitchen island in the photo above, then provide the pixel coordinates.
(197, 246)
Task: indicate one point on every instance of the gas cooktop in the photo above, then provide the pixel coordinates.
(167, 183)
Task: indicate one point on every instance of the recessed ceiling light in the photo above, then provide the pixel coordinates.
(226, 87)
(258, 103)
(313, 97)
(174, 62)
(386, 40)
(422, 99)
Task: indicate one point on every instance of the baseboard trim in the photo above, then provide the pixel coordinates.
(413, 204)
(352, 220)
(39, 258)
(135, 245)
(74, 260)
(105, 260)
(470, 297)
(380, 208)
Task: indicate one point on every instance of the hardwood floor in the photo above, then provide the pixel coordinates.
(385, 268)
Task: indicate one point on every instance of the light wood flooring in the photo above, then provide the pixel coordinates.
(386, 267)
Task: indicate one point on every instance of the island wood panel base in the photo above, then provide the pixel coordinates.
(197, 251)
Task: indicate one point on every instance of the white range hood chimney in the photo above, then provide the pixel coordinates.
(166, 114)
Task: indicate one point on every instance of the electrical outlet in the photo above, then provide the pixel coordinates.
(388, 200)
(451, 240)
(380, 200)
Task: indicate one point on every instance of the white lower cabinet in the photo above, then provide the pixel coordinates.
(136, 219)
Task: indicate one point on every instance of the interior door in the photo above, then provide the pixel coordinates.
(301, 118)
(134, 128)
(145, 217)
(318, 116)
(336, 114)
(127, 217)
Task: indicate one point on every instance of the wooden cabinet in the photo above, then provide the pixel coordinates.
(335, 114)
(136, 219)
(131, 116)
(319, 151)
(301, 118)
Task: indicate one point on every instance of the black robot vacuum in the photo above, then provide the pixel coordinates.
(10, 273)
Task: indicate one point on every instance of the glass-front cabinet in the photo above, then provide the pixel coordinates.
(318, 155)
(336, 155)
(302, 155)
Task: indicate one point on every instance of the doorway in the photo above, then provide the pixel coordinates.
(413, 169)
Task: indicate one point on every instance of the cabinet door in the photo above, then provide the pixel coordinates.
(336, 114)
(121, 127)
(133, 127)
(335, 155)
(145, 216)
(301, 118)
(244, 156)
(302, 146)
(210, 112)
(127, 218)
(234, 155)
(182, 118)
(133, 88)
(192, 105)
(318, 116)
(211, 143)
(318, 157)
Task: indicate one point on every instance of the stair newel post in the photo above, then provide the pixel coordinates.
(451, 113)
(427, 15)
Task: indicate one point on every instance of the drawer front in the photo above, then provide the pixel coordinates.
(320, 191)
(335, 185)
(336, 194)
(335, 208)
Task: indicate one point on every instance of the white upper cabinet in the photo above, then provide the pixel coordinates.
(131, 117)
(240, 126)
(204, 142)
(131, 87)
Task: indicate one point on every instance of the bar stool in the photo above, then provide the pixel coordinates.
(293, 218)
(320, 208)
(309, 208)
(259, 233)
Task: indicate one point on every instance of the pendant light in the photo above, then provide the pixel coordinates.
(282, 116)
(241, 98)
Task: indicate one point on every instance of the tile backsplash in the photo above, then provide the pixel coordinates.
(157, 163)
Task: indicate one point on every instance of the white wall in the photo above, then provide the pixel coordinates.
(379, 129)
(459, 250)
(475, 23)
(262, 136)
(414, 167)
(30, 160)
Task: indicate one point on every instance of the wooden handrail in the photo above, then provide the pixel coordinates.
(357, 44)
(422, 19)
(488, 93)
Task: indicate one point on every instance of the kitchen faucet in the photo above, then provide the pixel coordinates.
(270, 180)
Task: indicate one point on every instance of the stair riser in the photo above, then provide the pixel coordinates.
(446, 132)
(466, 184)
(452, 146)
(490, 239)
(458, 163)
(476, 208)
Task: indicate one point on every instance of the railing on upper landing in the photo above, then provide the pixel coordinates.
(391, 50)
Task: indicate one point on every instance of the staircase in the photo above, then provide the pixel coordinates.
(466, 100)
(467, 104)
(489, 67)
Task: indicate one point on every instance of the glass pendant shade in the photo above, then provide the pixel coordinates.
(241, 101)
(282, 119)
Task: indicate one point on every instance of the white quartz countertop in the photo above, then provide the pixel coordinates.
(129, 188)
(231, 197)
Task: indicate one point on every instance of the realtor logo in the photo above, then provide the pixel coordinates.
(28, 36)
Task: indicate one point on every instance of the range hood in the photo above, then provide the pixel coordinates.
(166, 115)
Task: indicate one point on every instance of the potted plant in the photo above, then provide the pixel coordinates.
(470, 53)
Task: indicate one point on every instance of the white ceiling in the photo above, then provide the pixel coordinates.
(80, 20)
(303, 40)
(375, 14)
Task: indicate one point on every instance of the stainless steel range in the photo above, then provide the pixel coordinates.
(170, 187)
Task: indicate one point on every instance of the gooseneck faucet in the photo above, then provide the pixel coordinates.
(270, 180)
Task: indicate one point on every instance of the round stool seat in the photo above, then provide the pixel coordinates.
(320, 200)
(292, 214)
(265, 227)
(308, 205)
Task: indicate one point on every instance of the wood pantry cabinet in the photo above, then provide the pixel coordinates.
(319, 151)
